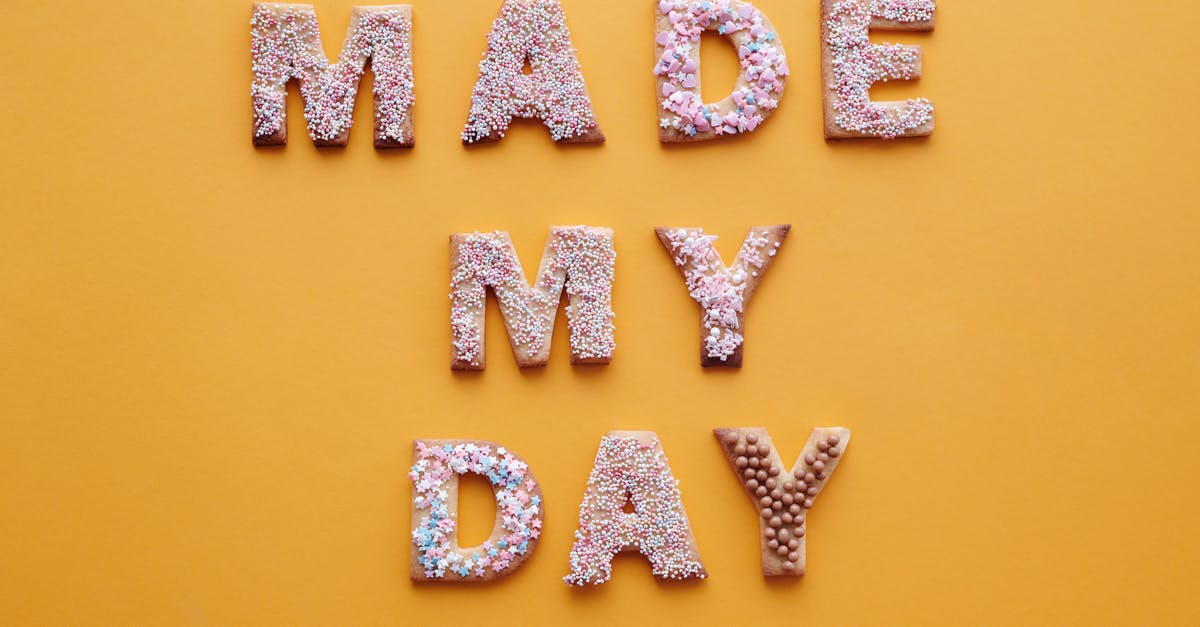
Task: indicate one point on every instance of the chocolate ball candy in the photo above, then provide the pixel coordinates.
(776, 493)
(822, 446)
(822, 457)
(773, 470)
(798, 473)
(765, 501)
(739, 449)
(777, 506)
(787, 498)
(833, 439)
(752, 462)
(764, 449)
(771, 483)
(731, 438)
(808, 503)
(751, 438)
(789, 566)
(794, 509)
(762, 475)
(834, 451)
(766, 513)
(818, 466)
(810, 478)
(798, 531)
(749, 472)
(770, 532)
(801, 486)
(752, 450)
(782, 550)
(741, 462)
(793, 544)
(786, 517)
(761, 491)
(792, 557)
(775, 522)
(784, 535)
(752, 484)
(789, 485)
(774, 544)
(809, 458)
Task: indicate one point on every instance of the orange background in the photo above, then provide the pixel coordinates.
(214, 359)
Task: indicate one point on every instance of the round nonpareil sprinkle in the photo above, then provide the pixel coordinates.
(286, 44)
(858, 64)
(632, 469)
(533, 31)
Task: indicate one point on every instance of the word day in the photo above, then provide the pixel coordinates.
(532, 35)
(632, 502)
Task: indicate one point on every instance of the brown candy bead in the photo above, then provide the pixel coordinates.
(792, 557)
(765, 501)
(776, 493)
(784, 535)
(794, 509)
(823, 457)
(762, 475)
(751, 484)
(760, 491)
(770, 532)
(833, 439)
(808, 503)
(739, 449)
(798, 532)
(783, 550)
(752, 450)
(766, 513)
(771, 483)
(751, 438)
(773, 471)
(731, 438)
(748, 473)
(801, 486)
(793, 544)
(834, 451)
(810, 478)
(789, 486)
(818, 466)
(752, 462)
(774, 544)
(798, 473)
(786, 517)
(775, 522)
(764, 449)
(822, 446)
(820, 476)
(809, 458)
(741, 462)
(777, 506)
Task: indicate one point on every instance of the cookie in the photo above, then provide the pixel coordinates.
(722, 292)
(519, 511)
(580, 259)
(782, 498)
(533, 32)
(683, 115)
(850, 64)
(285, 44)
(631, 470)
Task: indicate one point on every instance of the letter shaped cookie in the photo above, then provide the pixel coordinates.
(850, 64)
(723, 293)
(631, 468)
(285, 44)
(581, 258)
(519, 511)
(533, 31)
(683, 115)
(782, 499)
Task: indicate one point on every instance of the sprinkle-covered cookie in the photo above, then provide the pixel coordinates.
(437, 556)
(533, 32)
(285, 44)
(722, 292)
(683, 115)
(631, 469)
(850, 64)
(580, 259)
(782, 498)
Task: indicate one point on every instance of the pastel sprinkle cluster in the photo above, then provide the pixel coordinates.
(858, 64)
(763, 66)
(719, 290)
(518, 502)
(581, 259)
(286, 44)
(633, 470)
(533, 31)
